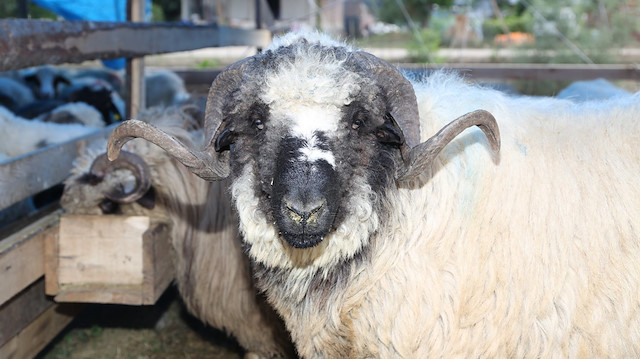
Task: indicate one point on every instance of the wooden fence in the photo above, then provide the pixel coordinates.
(28, 319)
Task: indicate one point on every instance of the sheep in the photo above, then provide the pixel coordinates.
(97, 93)
(598, 89)
(164, 88)
(373, 240)
(94, 92)
(212, 273)
(113, 78)
(14, 94)
(45, 80)
(75, 112)
(21, 136)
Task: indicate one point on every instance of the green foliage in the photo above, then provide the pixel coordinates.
(425, 51)
(170, 9)
(419, 10)
(9, 9)
(594, 27)
(157, 13)
(209, 63)
(390, 40)
(515, 23)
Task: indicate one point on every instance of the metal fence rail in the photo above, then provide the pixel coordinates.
(557, 72)
(25, 43)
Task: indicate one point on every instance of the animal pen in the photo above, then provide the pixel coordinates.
(33, 259)
(64, 256)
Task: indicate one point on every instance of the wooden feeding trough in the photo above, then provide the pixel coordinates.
(108, 259)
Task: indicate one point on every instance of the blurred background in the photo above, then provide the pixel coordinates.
(437, 32)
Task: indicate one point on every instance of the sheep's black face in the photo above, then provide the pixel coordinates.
(313, 150)
(305, 193)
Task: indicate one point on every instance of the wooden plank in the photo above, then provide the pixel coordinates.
(158, 262)
(21, 178)
(51, 263)
(105, 294)
(22, 255)
(58, 42)
(22, 309)
(156, 273)
(101, 249)
(135, 83)
(558, 72)
(40, 332)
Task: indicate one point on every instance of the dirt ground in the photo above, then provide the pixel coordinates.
(164, 330)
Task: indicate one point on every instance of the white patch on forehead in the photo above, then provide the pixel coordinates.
(305, 123)
(311, 153)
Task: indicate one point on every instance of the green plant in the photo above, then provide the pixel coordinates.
(425, 50)
(209, 63)
(157, 13)
(580, 31)
(515, 23)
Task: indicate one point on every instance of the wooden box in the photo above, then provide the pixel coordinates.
(108, 259)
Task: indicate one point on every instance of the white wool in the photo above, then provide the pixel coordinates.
(534, 256)
(306, 80)
(85, 113)
(20, 136)
(310, 36)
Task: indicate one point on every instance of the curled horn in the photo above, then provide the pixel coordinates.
(399, 93)
(421, 156)
(206, 163)
(404, 109)
(129, 161)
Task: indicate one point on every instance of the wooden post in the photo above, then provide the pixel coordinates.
(23, 9)
(135, 66)
(185, 10)
(258, 19)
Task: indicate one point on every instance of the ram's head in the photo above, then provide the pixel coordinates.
(312, 134)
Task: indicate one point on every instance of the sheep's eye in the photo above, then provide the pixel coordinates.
(356, 124)
(258, 123)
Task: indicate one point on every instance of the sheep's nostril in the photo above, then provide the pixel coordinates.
(304, 212)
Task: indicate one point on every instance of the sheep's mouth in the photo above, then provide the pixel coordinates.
(302, 241)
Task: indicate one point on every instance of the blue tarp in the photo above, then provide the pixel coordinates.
(95, 10)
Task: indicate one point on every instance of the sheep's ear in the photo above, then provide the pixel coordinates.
(389, 132)
(420, 157)
(148, 200)
(32, 79)
(224, 138)
(59, 79)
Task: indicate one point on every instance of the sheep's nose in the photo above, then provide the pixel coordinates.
(302, 212)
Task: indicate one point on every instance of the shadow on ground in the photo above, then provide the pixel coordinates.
(164, 330)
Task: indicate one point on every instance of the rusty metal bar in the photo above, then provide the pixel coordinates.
(27, 175)
(558, 72)
(25, 43)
